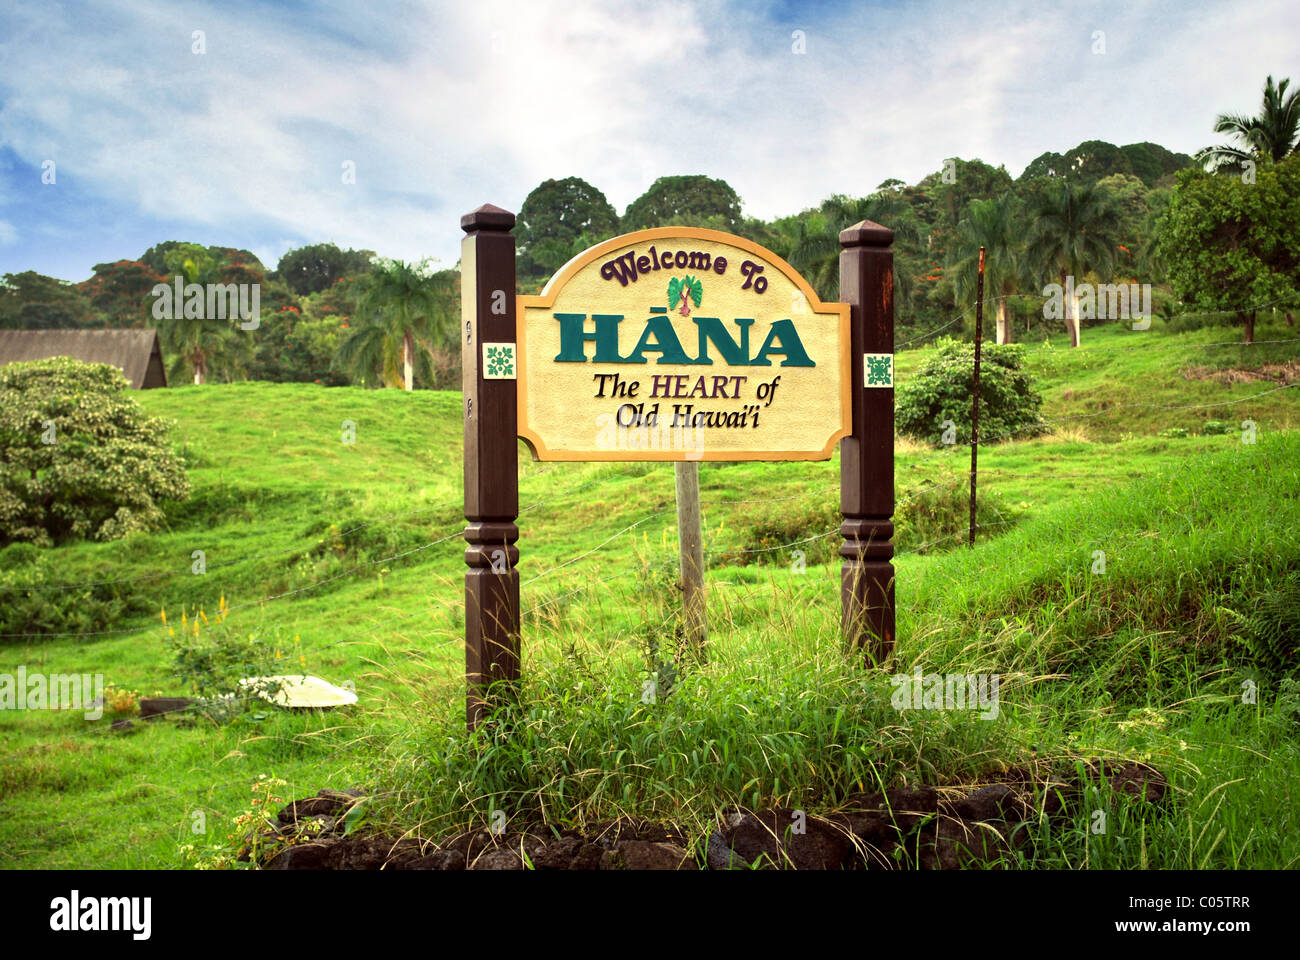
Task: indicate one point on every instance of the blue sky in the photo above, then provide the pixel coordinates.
(443, 107)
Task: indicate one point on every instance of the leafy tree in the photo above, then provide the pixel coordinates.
(1233, 246)
(121, 292)
(1095, 160)
(191, 340)
(942, 387)
(558, 219)
(957, 185)
(1271, 136)
(686, 200)
(1153, 163)
(78, 457)
(813, 239)
(1073, 230)
(316, 267)
(401, 305)
(33, 301)
(994, 225)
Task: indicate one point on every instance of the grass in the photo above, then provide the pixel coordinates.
(353, 550)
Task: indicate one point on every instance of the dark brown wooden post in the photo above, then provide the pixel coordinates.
(867, 454)
(491, 458)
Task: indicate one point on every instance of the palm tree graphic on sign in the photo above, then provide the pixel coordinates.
(681, 293)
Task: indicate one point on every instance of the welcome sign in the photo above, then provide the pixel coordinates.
(678, 343)
(672, 344)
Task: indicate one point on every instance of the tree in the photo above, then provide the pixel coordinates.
(33, 301)
(191, 338)
(994, 225)
(558, 219)
(941, 390)
(1235, 246)
(316, 267)
(1271, 136)
(684, 200)
(813, 239)
(78, 457)
(121, 292)
(1072, 231)
(400, 304)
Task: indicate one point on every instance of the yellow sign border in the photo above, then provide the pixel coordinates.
(546, 299)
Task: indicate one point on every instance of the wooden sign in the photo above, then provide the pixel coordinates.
(680, 344)
(723, 344)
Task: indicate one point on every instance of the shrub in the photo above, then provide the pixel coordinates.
(33, 600)
(941, 390)
(1215, 428)
(78, 457)
(210, 657)
(1270, 627)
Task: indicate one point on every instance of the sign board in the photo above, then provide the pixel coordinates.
(678, 343)
(671, 344)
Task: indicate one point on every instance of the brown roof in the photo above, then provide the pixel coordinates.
(134, 352)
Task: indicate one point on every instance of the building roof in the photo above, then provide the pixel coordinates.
(134, 352)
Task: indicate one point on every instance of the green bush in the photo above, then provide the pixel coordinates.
(78, 457)
(941, 390)
(1214, 428)
(1270, 627)
(33, 600)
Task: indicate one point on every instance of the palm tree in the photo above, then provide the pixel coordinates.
(815, 242)
(992, 224)
(191, 340)
(401, 303)
(1073, 229)
(1272, 136)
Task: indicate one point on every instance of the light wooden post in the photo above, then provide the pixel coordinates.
(690, 547)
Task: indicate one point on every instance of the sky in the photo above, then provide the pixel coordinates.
(244, 135)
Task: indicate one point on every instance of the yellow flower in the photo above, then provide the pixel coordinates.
(163, 614)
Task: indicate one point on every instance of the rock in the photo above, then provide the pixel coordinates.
(1141, 782)
(769, 837)
(326, 803)
(560, 854)
(311, 855)
(438, 860)
(994, 802)
(644, 855)
(152, 707)
(498, 859)
(904, 807)
(719, 856)
(952, 844)
(588, 857)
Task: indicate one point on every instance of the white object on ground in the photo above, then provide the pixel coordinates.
(298, 691)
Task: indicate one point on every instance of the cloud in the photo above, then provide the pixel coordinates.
(445, 106)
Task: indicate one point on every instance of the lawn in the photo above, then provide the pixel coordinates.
(345, 557)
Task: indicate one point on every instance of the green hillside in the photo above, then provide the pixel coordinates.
(348, 557)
